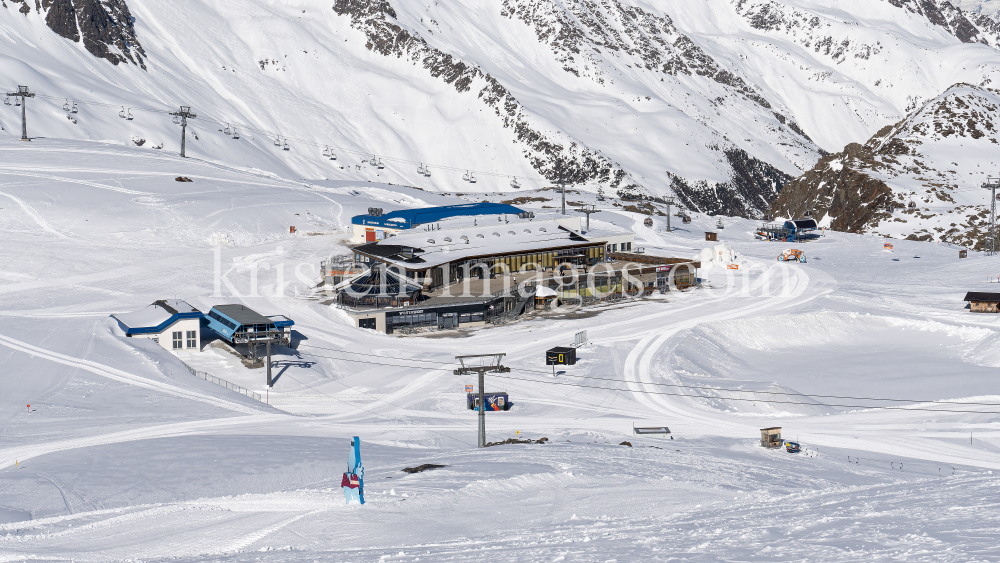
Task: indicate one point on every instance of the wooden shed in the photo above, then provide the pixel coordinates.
(770, 437)
(982, 302)
(712, 237)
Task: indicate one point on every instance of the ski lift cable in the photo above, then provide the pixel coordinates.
(698, 387)
(203, 116)
(693, 396)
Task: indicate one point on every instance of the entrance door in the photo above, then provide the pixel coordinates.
(370, 235)
(368, 323)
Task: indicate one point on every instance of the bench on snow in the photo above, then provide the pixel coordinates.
(650, 430)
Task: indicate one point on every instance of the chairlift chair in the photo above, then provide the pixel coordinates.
(286, 147)
(121, 114)
(333, 155)
(236, 134)
(514, 184)
(66, 106)
(177, 120)
(17, 102)
(720, 225)
(128, 116)
(326, 150)
(73, 109)
(6, 101)
(226, 130)
(277, 141)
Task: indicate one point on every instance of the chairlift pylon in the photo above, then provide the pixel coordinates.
(66, 106)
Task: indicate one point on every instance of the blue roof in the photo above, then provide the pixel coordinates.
(409, 218)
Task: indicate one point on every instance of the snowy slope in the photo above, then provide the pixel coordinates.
(720, 102)
(125, 455)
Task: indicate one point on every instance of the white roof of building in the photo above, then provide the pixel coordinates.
(448, 245)
(155, 314)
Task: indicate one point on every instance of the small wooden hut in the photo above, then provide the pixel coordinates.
(982, 302)
(770, 437)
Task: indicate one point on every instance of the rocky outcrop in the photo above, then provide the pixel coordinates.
(106, 27)
(918, 179)
(854, 200)
(755, 184)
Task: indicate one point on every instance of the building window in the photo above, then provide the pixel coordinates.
(614, 248)
(629, 246)
(178, 340)
(192, 338)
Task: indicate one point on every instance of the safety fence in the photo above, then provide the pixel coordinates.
(223, 383)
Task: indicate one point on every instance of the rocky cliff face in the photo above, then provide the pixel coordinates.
(582, 35)
(106, 27)
(918, 179)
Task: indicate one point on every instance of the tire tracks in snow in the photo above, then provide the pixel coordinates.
(123, 376)
(23, 453)
(638, 375)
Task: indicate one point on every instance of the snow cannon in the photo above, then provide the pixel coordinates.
(792, 255)
(353, 482)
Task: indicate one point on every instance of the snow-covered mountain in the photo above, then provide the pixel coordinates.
(937, 158)
(720, 102)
